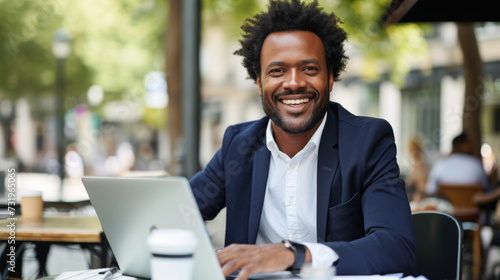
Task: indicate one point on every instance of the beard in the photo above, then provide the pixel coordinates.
(271, 109)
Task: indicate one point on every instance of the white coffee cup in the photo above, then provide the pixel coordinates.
(31, 204)
(172, 254)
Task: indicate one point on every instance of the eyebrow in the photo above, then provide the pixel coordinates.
(281, 63)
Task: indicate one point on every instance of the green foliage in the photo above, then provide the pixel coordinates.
(121, 41)
(27, 63)
(230, 14)
(384, 49)
(115, 43)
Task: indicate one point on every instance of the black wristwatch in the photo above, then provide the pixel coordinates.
(300, 254)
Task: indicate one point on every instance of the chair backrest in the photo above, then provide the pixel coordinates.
(460, 196)
(439, 240)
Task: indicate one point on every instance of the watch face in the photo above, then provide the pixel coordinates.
(287, 244)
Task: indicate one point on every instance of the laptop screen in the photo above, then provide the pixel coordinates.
(129, 208)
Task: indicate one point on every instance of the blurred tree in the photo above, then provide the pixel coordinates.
(465, 16)
(120, 41)
(173, 42)
(473, 73)
(28, 65)
(384, 49)
(115, 43)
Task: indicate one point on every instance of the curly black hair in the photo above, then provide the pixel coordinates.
(293, 15)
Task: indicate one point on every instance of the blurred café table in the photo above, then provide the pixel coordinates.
(52, 228)
(69, 195)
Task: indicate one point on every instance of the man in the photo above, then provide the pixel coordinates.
(460, 167)
(309, 173)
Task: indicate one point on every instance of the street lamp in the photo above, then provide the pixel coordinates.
(61, 49)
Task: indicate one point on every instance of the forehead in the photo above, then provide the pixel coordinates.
(292, 45)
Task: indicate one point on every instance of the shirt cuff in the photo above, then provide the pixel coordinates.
(322, 255)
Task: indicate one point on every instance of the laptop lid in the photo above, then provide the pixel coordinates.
(128, 208)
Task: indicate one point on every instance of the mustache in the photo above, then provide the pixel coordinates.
(295, 92)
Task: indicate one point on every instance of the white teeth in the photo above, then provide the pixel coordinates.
(295, 101)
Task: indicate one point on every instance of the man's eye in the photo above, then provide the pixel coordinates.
(310, 68)
(276, 72)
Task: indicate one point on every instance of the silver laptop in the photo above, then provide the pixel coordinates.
(129, 208)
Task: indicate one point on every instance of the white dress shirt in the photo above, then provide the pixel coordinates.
(289, 210)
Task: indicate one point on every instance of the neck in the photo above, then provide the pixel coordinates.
(292, 143)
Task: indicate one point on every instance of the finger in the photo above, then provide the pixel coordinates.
(250, 267)
(244, 274)
(239, 262)
(232, 252)
(229, 248)
(256, 264)
(228, 253)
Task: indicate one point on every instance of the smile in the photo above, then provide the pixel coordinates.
(295, 101)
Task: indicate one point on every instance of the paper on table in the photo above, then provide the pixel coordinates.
(398, 276)
(288, 276)
(92, 274)
(367, 277)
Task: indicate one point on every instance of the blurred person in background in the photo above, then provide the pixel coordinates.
(490, 164)
(73, 162)
(460, 167)
(416, 181)
(489, 200)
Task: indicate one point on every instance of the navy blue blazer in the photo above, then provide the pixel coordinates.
(363, 212)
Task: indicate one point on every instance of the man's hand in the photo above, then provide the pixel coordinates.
(252, 259)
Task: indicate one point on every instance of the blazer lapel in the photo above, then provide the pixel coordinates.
(259, 181)
(328, 160)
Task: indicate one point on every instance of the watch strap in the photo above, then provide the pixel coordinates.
(300, 253)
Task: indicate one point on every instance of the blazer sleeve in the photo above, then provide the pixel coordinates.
(208, 185)
(388, 244)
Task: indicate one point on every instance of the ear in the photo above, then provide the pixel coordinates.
(330, 82)
(259, 85)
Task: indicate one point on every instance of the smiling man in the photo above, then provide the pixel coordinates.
(309, 183)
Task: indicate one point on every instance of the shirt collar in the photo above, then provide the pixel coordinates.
(314, 141)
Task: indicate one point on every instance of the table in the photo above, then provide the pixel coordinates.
(73, 195)
(52, 228)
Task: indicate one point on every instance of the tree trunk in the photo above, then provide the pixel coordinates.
(473, 73)
(174, 81)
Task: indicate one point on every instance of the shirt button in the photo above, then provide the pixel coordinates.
(290, 201)
(292, 165)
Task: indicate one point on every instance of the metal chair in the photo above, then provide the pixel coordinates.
(439, 241)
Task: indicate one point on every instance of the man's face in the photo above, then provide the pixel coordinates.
(294, 83)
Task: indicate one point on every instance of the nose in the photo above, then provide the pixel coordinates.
(294, 80)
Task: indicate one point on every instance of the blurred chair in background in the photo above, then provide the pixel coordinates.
(467, 212)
